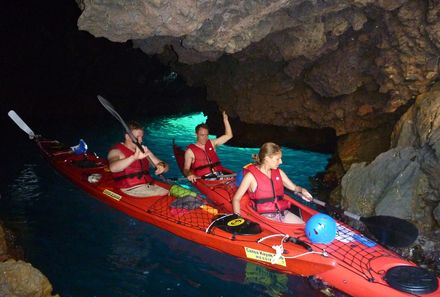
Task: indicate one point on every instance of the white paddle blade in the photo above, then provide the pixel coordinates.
(20, 123)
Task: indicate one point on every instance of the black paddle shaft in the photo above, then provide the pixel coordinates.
(107, 105)
(112, 110)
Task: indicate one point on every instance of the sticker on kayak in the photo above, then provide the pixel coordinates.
(262, 256)
(345, 235)
(236, 222)
(112, 194)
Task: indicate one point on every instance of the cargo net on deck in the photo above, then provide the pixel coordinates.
(352, 249)
(355, 251)
(188, 211)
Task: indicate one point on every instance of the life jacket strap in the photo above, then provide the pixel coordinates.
(266, 200)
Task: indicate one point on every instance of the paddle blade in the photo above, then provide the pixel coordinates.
(391, 231)
(20, 123)
(107, 105)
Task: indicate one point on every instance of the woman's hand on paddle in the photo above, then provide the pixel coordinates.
(300, 191)
(305, 195)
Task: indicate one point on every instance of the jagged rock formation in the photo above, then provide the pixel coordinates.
(353, 66)
(403, 181)
(18, 278)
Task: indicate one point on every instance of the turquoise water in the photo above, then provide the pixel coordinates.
(88, 249)
(299, 165)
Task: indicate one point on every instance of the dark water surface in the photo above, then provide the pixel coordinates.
(88, 249)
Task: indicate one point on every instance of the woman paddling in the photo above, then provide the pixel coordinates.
(265, 184)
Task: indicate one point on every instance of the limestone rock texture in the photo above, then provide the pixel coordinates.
(17, 277)
(346, 65)
(405, 180)
(355, 67)
(21, 279)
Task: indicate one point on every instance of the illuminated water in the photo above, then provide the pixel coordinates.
(88, 249)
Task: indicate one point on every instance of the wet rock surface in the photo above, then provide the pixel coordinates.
(404, 181)
(17, 277)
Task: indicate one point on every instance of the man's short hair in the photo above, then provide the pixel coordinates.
(200, 126)
(133, 125)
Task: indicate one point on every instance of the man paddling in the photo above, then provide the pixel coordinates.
(201, 157)
(130, 166)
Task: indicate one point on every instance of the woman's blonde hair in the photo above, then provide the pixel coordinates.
(267, 149)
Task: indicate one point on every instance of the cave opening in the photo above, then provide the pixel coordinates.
(55, 71)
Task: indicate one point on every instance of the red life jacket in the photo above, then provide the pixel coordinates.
(269, 194)
(135, 174)
(205, 161)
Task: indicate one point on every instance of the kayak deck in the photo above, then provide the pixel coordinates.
(350, 247)
(82, 167)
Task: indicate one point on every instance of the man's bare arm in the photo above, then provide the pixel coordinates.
(117, 162)
(189, 159)
(228, 132)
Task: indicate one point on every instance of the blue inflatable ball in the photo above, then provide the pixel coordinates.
(239, 178)
(321, 228)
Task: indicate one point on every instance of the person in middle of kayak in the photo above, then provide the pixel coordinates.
(265, 183)
(201, 158)
(130, 166)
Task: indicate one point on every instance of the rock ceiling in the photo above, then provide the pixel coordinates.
(346, 65)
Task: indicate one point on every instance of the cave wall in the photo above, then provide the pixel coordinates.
(403, 181)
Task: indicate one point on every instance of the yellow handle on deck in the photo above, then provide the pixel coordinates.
(209, 209)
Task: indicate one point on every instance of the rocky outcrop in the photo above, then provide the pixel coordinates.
(403, 181)
(19, 278)
(363, 146)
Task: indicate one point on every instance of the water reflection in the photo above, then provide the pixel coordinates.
(25, 186)
(298, 164)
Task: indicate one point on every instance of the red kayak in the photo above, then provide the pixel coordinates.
(362, 266)
(187, 216)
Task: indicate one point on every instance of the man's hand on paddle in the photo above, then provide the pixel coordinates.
(192, 178)
(161, 167)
